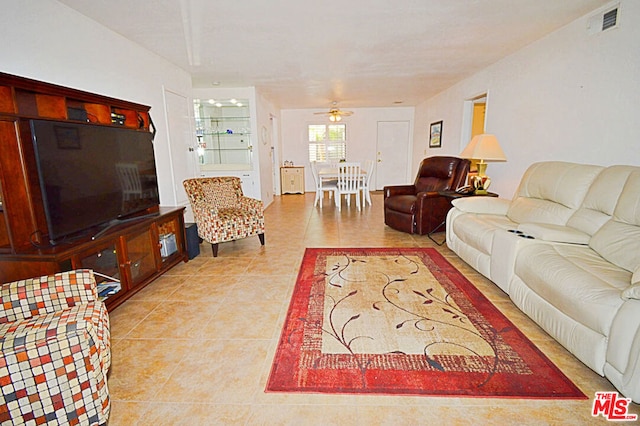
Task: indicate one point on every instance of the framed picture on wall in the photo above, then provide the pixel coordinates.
(435, 135)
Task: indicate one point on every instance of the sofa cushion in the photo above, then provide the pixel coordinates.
(618, 240)
(550, 192)
(601, 199)
(575, 280)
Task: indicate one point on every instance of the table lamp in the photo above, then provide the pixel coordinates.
(483, 147)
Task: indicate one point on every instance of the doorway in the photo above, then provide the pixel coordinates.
(474, 121)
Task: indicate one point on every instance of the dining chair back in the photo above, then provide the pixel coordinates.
(322, 185)
(349, 182)
(366, 182)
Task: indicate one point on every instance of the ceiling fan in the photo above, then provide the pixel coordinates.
(335, 114)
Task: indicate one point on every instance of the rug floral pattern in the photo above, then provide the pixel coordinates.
(403, 321)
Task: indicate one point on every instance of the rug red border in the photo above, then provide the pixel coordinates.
(547, 382)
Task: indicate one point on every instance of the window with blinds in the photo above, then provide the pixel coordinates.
(327, 142)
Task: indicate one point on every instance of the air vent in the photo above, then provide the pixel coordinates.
(607, 19)
(610, 19)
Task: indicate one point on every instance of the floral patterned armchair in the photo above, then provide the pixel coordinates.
(54, 351)
(222, 212)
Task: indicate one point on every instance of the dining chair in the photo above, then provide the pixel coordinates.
(366, 182)
(349, 182)
(322, 185)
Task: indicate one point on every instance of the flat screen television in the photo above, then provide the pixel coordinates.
(92, 175)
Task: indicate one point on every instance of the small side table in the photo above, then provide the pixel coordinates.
(453, 195)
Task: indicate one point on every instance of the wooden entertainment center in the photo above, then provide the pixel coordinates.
(131, 254)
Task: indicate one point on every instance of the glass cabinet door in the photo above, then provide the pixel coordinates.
(223, 130)
(170, 239)
(106, 266)
(141, 251)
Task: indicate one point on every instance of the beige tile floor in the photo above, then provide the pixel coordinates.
(195, 346)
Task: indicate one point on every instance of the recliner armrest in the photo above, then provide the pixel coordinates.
(427, 194)
(392, 191)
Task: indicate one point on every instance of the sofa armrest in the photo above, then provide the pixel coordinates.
(51, 356)
(392, 191)
(251, 204)
(203, 211)
(623, 351)
(50, 293)
(555, 233)
(482, 205)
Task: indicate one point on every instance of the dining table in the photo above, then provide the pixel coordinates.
(331, 172)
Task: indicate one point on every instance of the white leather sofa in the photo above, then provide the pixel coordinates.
(566, 250)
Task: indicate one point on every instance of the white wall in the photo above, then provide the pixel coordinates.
(570, 96)
(361, 135)
(48, 41)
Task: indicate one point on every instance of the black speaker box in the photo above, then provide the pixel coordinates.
(193, 241)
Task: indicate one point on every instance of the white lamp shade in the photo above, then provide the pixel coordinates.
(484, 147)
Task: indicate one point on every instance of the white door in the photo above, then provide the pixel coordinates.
(181, 143)
(392, 153)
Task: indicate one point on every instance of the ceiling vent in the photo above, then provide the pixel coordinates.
(603, 21)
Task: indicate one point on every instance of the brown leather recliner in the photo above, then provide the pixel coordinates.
(417, 208)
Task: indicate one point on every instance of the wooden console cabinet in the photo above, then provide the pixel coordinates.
(292, 180)
(129, 253)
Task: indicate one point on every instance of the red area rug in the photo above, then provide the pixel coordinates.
(403, 321)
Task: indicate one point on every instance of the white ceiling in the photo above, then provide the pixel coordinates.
(308, 53)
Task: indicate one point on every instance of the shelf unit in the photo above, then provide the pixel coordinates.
(129, 253)
(223, 133)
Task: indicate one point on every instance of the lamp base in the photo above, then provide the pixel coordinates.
(482, 168)
(480, 184)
